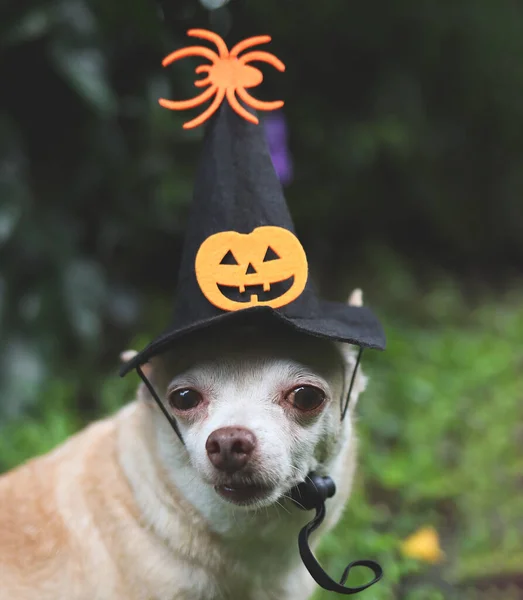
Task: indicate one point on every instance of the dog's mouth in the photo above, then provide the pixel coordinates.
(256, 293)
(243, 494)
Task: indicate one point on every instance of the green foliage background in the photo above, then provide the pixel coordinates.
(406, 126)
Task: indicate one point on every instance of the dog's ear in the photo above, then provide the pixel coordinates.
(349, 354)
(127, 355)
(147, 370)
(356, 298)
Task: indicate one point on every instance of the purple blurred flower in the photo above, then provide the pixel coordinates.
(276, 133)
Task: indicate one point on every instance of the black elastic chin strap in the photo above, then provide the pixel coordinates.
(351, 385)
(166, 413)
(310, 494)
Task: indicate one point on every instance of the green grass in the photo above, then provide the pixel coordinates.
(441, 429)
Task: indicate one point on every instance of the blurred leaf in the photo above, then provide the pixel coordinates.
(33, 24)
(85, 292)
(22, 371)
(85, 69)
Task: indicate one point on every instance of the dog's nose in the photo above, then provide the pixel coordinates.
(230, 448)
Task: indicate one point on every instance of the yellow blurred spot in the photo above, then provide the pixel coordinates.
(423, 545)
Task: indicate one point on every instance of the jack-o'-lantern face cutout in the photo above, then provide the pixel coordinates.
(267, 267)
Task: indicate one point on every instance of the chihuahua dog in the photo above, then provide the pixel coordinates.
(124, 510)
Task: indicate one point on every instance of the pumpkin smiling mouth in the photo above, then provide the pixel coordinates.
(257, 293)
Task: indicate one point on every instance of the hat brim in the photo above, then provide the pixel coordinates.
(339, 322)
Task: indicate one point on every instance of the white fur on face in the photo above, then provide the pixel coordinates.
(244, 384)
(250, 393)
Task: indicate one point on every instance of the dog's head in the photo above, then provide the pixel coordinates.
(258, 407)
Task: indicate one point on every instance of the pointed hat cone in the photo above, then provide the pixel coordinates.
(237, 190)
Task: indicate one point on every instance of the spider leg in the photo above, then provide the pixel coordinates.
(205, 80)
(204, 34)
(248, 43)
(208, 112)
(184, 104)
(258, 104)
(202, 82)
(264, 57)
(190, 51)
(239, 108)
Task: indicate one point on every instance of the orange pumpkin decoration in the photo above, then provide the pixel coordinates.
(228, 263)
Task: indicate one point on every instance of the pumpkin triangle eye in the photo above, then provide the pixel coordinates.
(229, 259)
(270, 255)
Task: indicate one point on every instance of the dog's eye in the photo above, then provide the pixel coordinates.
(184, 399)
(306, 397)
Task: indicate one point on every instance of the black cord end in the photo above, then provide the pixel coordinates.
(312, 493)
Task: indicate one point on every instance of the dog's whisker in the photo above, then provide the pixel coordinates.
(292, 500)
(282, 506)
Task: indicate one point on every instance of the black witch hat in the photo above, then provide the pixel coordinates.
(241, 257)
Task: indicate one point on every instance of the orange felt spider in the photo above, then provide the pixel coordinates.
(229, 74)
